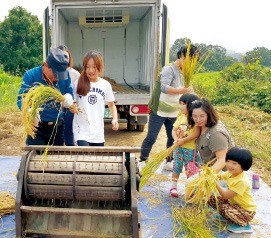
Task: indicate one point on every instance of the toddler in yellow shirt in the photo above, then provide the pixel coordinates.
(236, 203)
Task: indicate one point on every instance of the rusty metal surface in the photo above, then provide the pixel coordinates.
(77, 192)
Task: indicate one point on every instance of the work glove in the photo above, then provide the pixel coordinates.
(37, 116)
(68, 100)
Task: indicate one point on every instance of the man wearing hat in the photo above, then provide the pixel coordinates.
(53, 72)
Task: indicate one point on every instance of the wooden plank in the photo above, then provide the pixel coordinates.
(93, 167)
(76, 211)
(49, 178)
(81, 192)
(121, 89)
(78, 158)
(35, 220)
(50, 191)
(18, 201)
(80, 179)
(59, 222)
(99, 193)
(66, 222)
(83, 149)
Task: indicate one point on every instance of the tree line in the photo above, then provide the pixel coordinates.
(21, 46)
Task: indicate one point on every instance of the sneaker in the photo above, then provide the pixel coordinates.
(240, 229)
(142, 159)
(173, 193)
(141, 165)
(168, 166)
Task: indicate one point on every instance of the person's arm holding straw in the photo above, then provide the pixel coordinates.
(182, 140)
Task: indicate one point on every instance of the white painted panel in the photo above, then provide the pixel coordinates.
(146, 50)
(75, 42)
(92, 40)
(113, 38)
(132, 54)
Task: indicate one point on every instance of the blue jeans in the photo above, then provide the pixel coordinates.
(155, 124)
(52, 134)
(68, 131)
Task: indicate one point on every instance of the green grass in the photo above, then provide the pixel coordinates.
(204, 83)
(250, 128)
(9, 86)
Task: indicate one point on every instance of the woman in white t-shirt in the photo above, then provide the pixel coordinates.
(91, 93)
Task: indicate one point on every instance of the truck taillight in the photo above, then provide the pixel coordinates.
(140, 109)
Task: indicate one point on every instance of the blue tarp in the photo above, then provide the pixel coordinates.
(154, 205)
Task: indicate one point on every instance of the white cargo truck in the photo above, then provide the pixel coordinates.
(127, 33)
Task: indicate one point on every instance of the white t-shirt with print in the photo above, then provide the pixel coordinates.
(88, 125)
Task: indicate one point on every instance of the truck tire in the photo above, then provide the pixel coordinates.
(131, 127)
(140, 127)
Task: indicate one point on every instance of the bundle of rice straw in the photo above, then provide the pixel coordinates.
(200, 189)
(32, 103)
(190, 222)
(7, 204)
(153, 164)
(192, 65)
(189, 66)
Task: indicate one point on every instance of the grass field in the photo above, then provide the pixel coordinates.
(9, 86)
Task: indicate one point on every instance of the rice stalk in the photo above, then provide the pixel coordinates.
(7, 204)
(191, 222)
(32, 103)
(153, 164)
(191, 65)
(200, 189)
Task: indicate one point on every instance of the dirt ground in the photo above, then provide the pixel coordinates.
(11, 136)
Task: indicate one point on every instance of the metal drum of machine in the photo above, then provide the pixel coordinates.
(77, 192)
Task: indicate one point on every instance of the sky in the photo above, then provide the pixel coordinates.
(238, 25)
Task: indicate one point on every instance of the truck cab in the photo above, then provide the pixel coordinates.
(127, 34)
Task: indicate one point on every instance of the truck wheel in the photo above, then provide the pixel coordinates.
(130, 127)
(140, 127)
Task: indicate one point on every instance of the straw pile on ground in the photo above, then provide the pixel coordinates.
(191, 219)
(7, 204)
(190, 222)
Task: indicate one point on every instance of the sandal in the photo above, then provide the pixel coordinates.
(173, 193)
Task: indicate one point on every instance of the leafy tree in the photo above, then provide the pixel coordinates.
(261, 54)
(175, 47)
(216, 61)
(20, 41)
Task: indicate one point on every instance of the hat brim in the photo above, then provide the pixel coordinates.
(61, 75)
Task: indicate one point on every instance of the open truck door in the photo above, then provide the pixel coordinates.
(127, 33)
(46, 33)
(165, 42)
